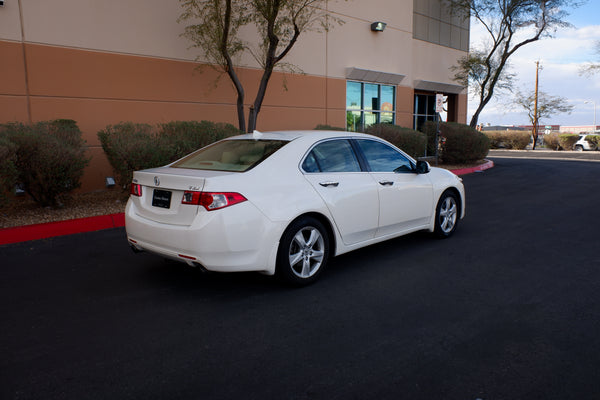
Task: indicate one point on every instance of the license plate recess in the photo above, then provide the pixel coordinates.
(161, 198)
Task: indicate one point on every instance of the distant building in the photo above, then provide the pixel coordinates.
(102, 63)
(501, 128)
(579, 129)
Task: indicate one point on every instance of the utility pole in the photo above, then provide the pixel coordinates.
(535, 107)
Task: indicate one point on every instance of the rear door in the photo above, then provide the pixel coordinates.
(350, 194)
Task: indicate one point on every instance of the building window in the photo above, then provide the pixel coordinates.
(424, 110)
(434, 22)
(368, 104)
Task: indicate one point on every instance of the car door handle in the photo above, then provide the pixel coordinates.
(386, 183)
(329, 183)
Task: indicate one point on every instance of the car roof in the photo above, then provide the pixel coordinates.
(292, 135)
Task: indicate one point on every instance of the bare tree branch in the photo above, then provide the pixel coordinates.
(215, 26)
(485, 69)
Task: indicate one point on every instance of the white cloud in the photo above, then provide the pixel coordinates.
(561, 58)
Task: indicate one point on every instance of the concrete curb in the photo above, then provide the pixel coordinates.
(90, 224)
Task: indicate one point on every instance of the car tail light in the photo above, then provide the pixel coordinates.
(136, 190)
(212, 201)
(190, 197)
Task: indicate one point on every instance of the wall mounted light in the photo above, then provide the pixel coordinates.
(378, 26)
(19, 189)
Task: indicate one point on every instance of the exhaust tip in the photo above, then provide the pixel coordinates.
(199, 266)
(135, 249)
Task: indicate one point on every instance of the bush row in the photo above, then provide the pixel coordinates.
(412, 142)
(47, 159)
(459, 143)
(556, 141)
(130, 147)
(594, 140)
(516, 140)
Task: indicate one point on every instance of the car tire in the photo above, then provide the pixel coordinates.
(578, 148)
(447, 215)
(303, 252)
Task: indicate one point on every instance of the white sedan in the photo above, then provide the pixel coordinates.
(285, 202)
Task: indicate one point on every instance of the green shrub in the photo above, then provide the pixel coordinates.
(50, 158)
(593, 140)
(462, 144)
(517, 140)
(188, 136)
(409, 140)
(552, 142)
(324, 127)
(130, 147)
(8, 168)
(495, 138)
(429, 128)
(567, 140)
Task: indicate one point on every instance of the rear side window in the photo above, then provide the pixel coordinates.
(231, 155)
(331, 156)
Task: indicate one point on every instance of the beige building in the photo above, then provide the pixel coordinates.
(104, 62)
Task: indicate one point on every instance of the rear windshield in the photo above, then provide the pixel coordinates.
(231, 155)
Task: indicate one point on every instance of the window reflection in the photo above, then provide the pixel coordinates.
(353, 95)
(383, 158)
(368, 104)
(331, 156)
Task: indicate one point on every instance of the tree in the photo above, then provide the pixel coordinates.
(510, 25)
(592, 68)
(547, 105)
(215, 29)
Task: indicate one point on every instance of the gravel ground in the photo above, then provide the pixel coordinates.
(23, 211)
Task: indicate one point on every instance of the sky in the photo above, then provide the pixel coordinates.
(560, 58)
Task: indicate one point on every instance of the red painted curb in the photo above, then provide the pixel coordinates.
(60, 228)
(463, 171)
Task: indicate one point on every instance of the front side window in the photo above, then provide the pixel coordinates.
(383, 158)
(331, 156)
(230, 155)
(368, 104)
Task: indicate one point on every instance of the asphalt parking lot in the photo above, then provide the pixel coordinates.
(508, 308)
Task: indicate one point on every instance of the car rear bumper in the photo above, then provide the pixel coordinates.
(237, 239)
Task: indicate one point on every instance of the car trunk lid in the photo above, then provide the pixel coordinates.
(162, 194)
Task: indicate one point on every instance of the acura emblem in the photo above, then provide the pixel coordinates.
(156, 181)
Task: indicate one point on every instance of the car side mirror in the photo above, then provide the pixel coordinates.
(423, 167)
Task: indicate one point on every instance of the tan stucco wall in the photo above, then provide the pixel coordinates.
(102, 63)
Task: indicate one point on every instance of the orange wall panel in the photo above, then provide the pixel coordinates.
(285, 118)
(336, 118)
(336, 94)
(12, 74)
(97, 170)
(92, 115)
(98, 89)
(13, 109)
(63, 72)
